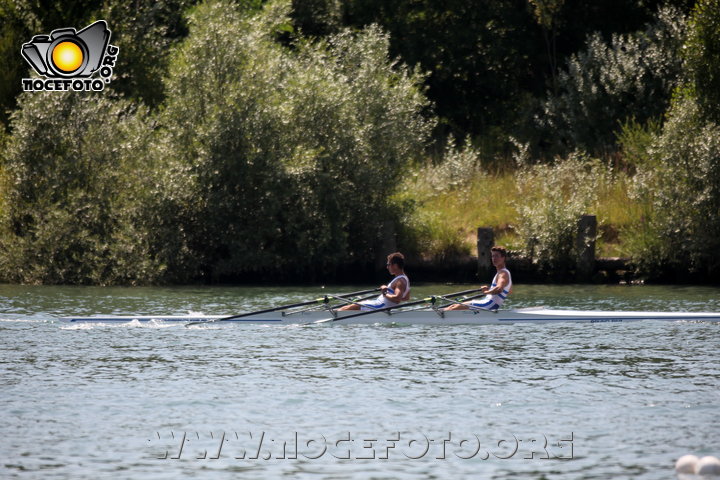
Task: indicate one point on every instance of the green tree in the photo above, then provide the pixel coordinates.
(632, 76)
(480, 56)
(703, 56)
(681, 234)
(488, 62)
(317, 18)
(547, 14)
(71, 185)
(276, 159)
(681, 176)
(145, 32)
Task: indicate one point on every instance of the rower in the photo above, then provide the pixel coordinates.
(501, 286)
(392, 294)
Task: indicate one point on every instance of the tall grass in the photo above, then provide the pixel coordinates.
(448, 209)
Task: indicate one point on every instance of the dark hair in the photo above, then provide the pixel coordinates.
(397, 258)
(500, 250)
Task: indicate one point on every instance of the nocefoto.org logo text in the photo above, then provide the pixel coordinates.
(68, 59)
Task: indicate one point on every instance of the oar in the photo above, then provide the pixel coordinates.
(358, 299)
(461, 301)
(282, 307)
(348, 301)
(387, 309)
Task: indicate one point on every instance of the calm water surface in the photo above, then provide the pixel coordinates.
(562, 401)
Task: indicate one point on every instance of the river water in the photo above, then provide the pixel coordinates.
(153, 401)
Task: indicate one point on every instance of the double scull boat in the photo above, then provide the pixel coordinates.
(427, 316)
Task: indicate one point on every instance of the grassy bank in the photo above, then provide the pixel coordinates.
(449, 208)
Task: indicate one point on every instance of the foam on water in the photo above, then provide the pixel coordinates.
(150, 324)
(24, 320)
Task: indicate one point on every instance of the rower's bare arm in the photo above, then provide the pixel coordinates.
(399, 289)
(503, 282)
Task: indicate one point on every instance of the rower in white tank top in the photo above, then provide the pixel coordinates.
(494, 301)
(393, 294)
(496, 293)
(383, 301)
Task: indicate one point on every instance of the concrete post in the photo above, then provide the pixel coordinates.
(485, 241)
(585, 247)
(387, 244)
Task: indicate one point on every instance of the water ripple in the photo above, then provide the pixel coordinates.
(105, 401)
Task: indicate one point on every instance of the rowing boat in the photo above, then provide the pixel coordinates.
(421, 317)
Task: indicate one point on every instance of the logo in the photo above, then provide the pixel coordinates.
(68, 59)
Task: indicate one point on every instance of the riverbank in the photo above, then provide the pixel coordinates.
(450, 206)
(533, 210)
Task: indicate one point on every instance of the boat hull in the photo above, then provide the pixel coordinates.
(421, 317)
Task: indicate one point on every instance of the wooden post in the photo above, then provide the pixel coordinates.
(387, 244)
(585, 247)
(485, 241)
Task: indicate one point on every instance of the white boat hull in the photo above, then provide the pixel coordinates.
(421, 317)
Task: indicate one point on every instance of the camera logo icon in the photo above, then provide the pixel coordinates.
(68, 54)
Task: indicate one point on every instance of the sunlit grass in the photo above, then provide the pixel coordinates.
(449, 216)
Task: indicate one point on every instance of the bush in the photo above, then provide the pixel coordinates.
(609, 82)
(281, 159)
(681, 234)
(70, 187)
(635, 140)
(551, 198)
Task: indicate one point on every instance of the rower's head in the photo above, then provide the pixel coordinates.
(395, 263)
(498, 255)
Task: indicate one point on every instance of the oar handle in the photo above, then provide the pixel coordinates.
(451, 300)
(349, 301)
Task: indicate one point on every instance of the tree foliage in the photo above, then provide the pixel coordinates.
(70, 187)
(145, 33)
(703, 56)
(265, 139)
(681, 234)
(261, 150)
(273, 151)
(631, 76)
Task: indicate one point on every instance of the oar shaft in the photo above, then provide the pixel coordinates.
(348, 301)
(462, 301)
(283, 307)
(377, 310)
(451, 300)
(387, 309)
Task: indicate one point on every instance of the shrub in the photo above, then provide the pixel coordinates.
(70, 187)
(551, 198)
(629, 76)
(681, 234)
(274, 150)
